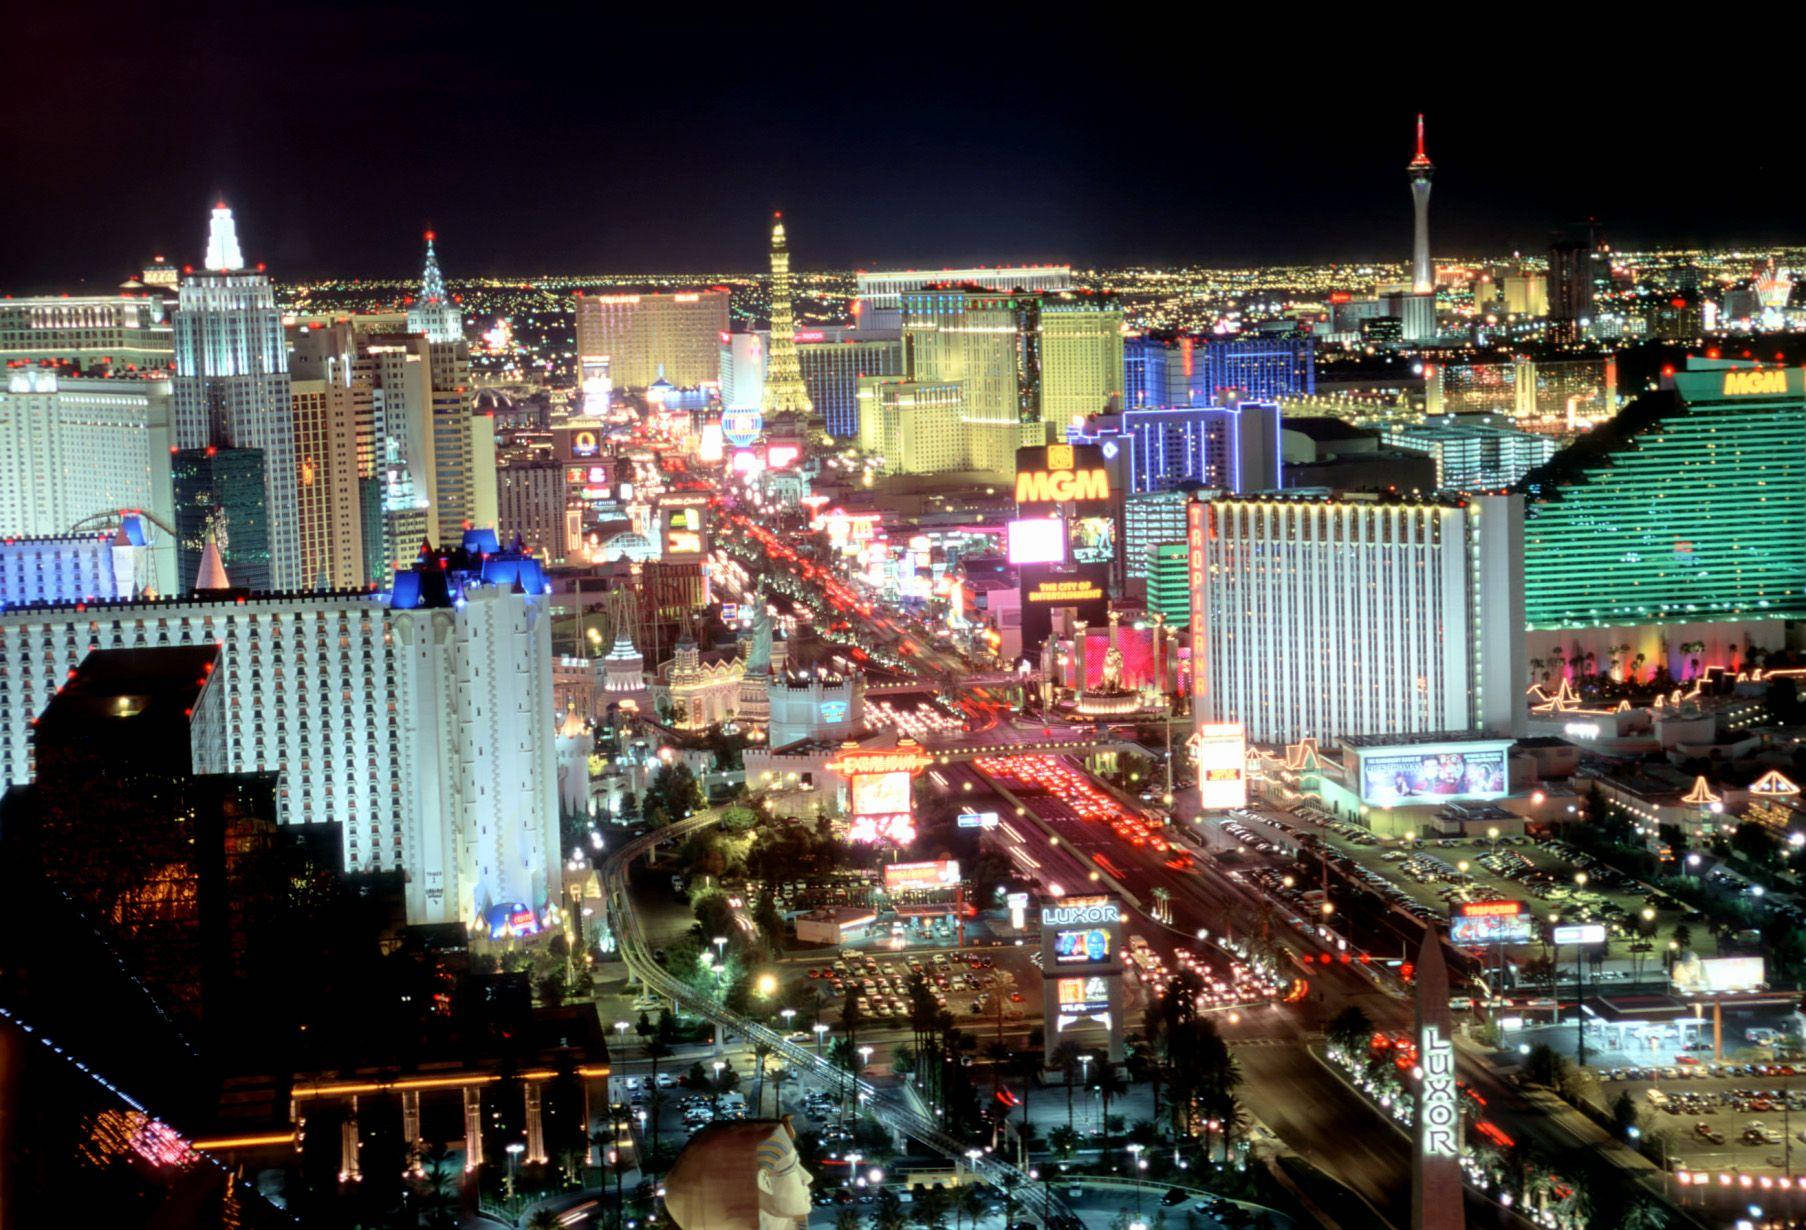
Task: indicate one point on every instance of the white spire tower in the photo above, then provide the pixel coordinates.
(434, 313)
(1421, 170)
(223, 255)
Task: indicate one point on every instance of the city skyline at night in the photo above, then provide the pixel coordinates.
(824, 619)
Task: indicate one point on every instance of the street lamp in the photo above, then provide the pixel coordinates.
(515, 1149)
(720, 947)
(821, 1031)
(789, 1015)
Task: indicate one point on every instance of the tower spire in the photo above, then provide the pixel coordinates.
(223, 255)
(1420, 170)
(433, 312)
(784, 389)
(432, 282)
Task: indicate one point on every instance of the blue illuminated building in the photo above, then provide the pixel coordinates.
(439, 578)
(1193, 371)
(1231, 448)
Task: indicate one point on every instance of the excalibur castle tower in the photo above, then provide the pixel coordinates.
(1420, 169)
(784, 391)
(231, 390)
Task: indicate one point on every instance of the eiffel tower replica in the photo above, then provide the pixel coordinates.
(786, 399)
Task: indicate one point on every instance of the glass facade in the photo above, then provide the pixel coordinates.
(222, 488)
(1169, 586)
(1685, 507)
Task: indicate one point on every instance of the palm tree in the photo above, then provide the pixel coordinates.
(1351, 1030)
(1645, 1215)
(969, 1198)
(1065, 1060)
(761, 1052)
(439, 1175)
(930, 1207)
(1109, 1084)
(544, 1219)
(1063, 1140)
(656, 1049)
(847, 1218)
(887, 1214)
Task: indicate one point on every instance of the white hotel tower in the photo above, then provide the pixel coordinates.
(421, 721)
(231, 382)
(1358, 615)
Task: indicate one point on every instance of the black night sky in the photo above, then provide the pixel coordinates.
(551, 139)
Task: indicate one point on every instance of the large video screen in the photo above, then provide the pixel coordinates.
(1433, 776)
(1089, 944)
(1490, 922)
(880, 794)
(1093, 540)
(1037, 540)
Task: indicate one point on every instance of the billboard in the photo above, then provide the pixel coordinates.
(683, 530)
(879, 792)
(1062, 474)
(1433, 774)
(1718, 975)
(1089, 945)
(1081, 977)
(1221, 752)
(1093, 540)
(915, 877)
(1490, 922)
(1037, 540)
(780, 454)
(1578, 933)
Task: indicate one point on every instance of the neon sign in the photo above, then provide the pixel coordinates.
(1044, 487)
(1750, 382)
(1436, 1110)
(1090, 910)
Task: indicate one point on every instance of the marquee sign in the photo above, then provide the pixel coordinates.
(1077, 911)
(1061, 479)
(1747, 383)
(1436, 1104)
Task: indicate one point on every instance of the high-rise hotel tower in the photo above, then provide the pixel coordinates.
(231, 385)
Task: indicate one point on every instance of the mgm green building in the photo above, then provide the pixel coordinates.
(1675, 535)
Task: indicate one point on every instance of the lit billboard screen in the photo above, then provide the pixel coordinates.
(1433, 775)
(1090, 945)
(683, 531)
(1093, 540)
(907, 877)
(880, 793)
(1037, 540)
(1221, 752)
(1490, 922)
(1718, 975)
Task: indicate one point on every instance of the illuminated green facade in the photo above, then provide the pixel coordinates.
(1689, 508)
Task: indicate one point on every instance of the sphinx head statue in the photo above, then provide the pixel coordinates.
(739, 1176)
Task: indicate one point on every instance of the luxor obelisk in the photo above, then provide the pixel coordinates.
(1437, 1200)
